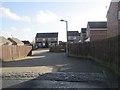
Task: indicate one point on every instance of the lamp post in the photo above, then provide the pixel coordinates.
(66, 35)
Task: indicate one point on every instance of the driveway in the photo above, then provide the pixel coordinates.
(46, 63)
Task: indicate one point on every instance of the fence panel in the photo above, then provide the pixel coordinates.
(105, 51)
(11, 52)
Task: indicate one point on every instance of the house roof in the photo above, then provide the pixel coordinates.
(73, 33)
(46, 35)
(3, 40)
(97, 24)
(83, 30)
(26, 42)
(16, 40)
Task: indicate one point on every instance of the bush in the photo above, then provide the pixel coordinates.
(56, 48)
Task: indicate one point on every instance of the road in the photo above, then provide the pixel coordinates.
(56, 70)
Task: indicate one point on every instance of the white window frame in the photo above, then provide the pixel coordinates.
(38, 39)
(43, 44)
(49, 39)
(53, 39)
(43, 39)
(74, 37)
(69, 37)
(118, 15)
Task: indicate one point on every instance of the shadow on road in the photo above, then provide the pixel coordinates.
(65, 80)
(68, 80)
(60, 63)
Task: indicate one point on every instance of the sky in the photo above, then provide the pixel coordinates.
(23, 19)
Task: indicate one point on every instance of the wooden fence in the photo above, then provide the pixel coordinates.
(12, 52)
(104, 51)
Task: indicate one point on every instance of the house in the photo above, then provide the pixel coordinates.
(4, 41)
(16, 41)
(73, 36)
(96, 30)
(27, 43)
(83, 34)
(113, 18)
(42, 39)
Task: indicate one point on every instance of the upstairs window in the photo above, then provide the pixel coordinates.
(54, 39)
(43, 39)
(49, 39)
(69, 37)
(118, 15)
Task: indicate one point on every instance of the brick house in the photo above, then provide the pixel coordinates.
(73, 36)
(83, 34)
(42, 38)
(113, 18)
(96, 30)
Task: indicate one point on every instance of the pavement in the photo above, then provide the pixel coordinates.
(46, 69)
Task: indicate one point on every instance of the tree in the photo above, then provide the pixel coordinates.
(46, 44)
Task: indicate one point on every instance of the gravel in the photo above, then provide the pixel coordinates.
(20, 75)
(73, 77)
(58, 76)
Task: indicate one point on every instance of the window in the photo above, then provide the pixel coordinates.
(74, 38)
(69, 37)
(37, 39)
(43, 44)
(49, 39)
(53, 39)
(43, 39)
(39, 44)
(119, 15)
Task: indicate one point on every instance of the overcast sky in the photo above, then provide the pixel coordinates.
(23, 19)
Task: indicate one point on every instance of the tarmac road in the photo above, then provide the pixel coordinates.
(57, 71)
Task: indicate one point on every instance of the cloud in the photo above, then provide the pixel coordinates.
(46, 17)
(80, 20)
(54, 0)
(5, 12)
(24, 33)
(13, 29)
(27, 30)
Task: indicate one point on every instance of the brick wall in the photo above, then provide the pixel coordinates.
(112, 18)
(119, 20)
(97, 34)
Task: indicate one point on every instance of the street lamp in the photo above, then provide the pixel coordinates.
(66, 35)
